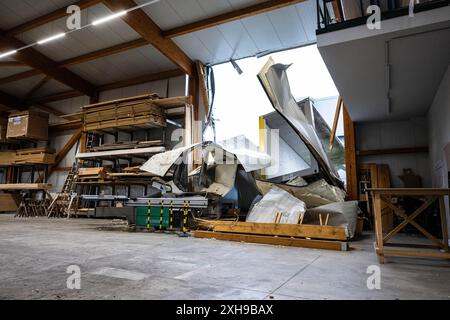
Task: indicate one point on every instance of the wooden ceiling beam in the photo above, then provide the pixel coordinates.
(143, 79)
(50, 17)
(150, 31)
(111, 86)
(80, 59)
(229, 17)
(11, 64)
(37, 60)
(10, 101)
(103, 52)
(36, 88)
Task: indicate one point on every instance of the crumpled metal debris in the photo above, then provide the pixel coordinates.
(277, 201)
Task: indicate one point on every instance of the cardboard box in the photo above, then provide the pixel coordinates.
(28, 125)
(7, 158)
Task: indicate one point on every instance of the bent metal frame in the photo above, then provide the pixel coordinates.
(429, 195)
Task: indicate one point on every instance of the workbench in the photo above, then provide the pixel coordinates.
(429, 196)
(29, 206)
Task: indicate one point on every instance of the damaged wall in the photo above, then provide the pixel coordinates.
(396, 134)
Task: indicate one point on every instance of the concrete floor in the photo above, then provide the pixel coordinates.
(35, 254)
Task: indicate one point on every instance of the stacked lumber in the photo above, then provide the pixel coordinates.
(85, 174)
(35, 156)
(7, 158)
(131, 113)
(298, 235)
(127, 145)
(28, 156)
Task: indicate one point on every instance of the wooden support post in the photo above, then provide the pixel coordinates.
(335, 122)
(350, 156)
(65, 150)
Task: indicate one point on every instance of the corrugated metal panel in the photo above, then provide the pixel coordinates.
(52, 87)
(277, 30)
(16, 12)
(123, 66)
(83, 41)
(20, 88)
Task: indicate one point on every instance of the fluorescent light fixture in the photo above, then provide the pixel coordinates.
(109, 18)
(9, 53)
(52, 38)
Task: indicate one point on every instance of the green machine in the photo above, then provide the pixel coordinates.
(159, 217)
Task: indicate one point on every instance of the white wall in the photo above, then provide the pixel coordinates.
(439, 135)
(172, 87)
(396, 134)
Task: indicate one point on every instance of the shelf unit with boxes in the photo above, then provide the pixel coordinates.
(24, 162)
(118, 137)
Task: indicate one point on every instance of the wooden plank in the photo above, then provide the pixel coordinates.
(350, 156)
(149, 30)
(335, 122)
(246, 12)
(278, 241)
(289, 230)
(25, 186)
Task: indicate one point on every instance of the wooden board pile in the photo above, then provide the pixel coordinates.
(35, 156)
(127, 145)
(297, 235)
(137, 112)
(28, 156)
(89, 174)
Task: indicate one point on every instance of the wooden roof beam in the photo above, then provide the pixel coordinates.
(149, 30)
(80, 59)
(250, 11)
(11, 64)
(37, 60)
(111, 86)
(50, 17)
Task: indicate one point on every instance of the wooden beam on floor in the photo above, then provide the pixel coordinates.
(277, 241)
(37, 60)
(48, 18)
(350, 156)
(150, 31)
(250, 11)
(363, 153)
(287, 230)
